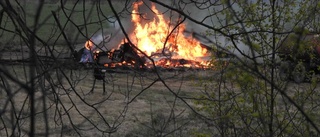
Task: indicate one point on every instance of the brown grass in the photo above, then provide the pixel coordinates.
(127, 103)
(114, 107)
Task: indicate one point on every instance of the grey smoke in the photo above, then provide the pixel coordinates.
(117, 35)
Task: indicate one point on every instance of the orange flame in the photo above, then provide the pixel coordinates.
(88, 45)
(151, 37)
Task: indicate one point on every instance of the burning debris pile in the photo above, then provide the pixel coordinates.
(156, 43)
(166, 43)
(127, 55)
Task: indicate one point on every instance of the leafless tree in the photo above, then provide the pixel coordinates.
(46, 92)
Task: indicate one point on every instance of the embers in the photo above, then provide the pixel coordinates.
(128, 57)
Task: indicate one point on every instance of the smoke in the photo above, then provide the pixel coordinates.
(200, 13)
(110, 38)
(117, 36)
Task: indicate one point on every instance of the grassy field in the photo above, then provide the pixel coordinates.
(128, 104)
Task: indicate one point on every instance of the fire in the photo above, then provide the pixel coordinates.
(154, 37)
(165, 43)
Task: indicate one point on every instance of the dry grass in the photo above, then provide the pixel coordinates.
(127, 101)
(131, 103)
